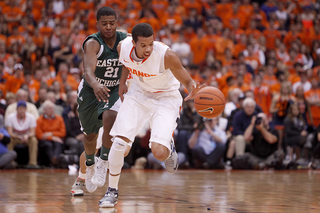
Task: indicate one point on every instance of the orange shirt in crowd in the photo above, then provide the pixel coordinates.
(294, 77)
(199, 49)
(166, 19)
(15, 38)
(45, 31)
(244, 87)
(256, 33)
(220, 47)
(253, 61)
(223, 10)
(275, 88)
(3, 38)
(263, 98)
(238, 48)
(314, 94)
(290, 37)
(55, 125)
(269, 80)
(12, 12)
(159, 7)
(13, 83)
(154, 22)
(211, 41)
(79, 5)
(271, 36)
(192, 5)
(34, 87)
(68, 14)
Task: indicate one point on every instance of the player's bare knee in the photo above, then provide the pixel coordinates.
(160, 152)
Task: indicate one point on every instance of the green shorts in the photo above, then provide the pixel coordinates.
(90, 109)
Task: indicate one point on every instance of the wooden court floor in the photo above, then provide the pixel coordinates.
(48, 191)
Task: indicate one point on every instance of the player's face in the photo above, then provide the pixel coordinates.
(144, 46)
(107, 25)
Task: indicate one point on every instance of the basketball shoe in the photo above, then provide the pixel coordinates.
(110, 199)
(77, 187)
(173, 161)
(100, 173)
(89, 174)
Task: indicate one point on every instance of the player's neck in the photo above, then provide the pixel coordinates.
(135, 57)
(109, 41)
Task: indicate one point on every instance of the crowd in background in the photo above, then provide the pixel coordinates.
(263, 55)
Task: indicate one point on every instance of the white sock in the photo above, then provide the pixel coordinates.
(116, 161)
(82, 175)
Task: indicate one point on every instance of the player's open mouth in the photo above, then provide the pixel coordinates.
(146, 55)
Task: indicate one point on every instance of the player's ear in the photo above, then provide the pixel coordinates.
(134, 43)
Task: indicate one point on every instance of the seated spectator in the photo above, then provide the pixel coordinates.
(71, 102)
(6, 156)
(75, 136)
(208, 144)
(233, 97)
(21, 128)
(295, 133)
(264, 147)
(50, 132)
(22, 95)
(42, 97)
(15, 81)
(315, 163)
(57, 108)
(241, 121)
(188, 118)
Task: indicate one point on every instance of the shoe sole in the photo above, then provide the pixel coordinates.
(76, 193)
(107, 205)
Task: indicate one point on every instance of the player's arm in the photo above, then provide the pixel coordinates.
(124, 75)
(91, 49)
(172, 62)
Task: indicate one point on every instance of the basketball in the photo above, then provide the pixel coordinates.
(209, 102)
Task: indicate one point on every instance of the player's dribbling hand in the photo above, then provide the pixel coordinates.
(123, 88)
(101, 92)
(194, 91)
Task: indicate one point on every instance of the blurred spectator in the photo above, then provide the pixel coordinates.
(208, 144)
(304, 106)
(186, 124)
(263, 140)
(313, 98)
(303, 82)
(42, 97)
(74, 137)
(15, 81)
(6, 156)
(295, 131)
(22, 95)
(182, 49)
(279, 108)
(21, 128)
(314, 163)
(63, 53)
(233, 102)
(50, 132)
(241, 121)
(71, 102)
(58, 109)
(33, 86)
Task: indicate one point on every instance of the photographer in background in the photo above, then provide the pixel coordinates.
(264, 146)
(208, 144)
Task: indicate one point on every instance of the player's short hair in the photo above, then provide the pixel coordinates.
(143, 30)
(106, 11)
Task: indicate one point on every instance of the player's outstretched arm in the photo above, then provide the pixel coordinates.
(91, 48)
(172, 62)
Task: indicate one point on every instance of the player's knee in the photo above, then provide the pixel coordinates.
(90, 139)
(160, 152)
(128, 149)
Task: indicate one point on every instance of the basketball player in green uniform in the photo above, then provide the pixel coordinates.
(98, 97)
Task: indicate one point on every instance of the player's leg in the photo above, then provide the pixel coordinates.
(99, 178)
(134, 116)
(163, 123)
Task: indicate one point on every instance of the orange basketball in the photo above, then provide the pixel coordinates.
(209, 102)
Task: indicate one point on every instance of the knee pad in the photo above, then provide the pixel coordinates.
(119, 144)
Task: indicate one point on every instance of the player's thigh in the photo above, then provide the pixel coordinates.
(131, 118)
(88, 114)
(163, 122)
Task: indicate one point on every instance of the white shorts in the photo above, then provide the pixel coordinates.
(161, 110)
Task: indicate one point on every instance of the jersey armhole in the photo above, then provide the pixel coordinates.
(100, 50)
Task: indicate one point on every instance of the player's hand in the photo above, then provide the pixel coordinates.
(194, 91)
(122, 90)
(101, 92)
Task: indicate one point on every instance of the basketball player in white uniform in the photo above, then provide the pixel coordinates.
(153, 97)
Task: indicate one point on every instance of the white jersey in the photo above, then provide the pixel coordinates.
(149, 74)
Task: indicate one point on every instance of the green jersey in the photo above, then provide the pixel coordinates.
(108, 68)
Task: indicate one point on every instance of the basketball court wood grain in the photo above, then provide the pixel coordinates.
(46, 191)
